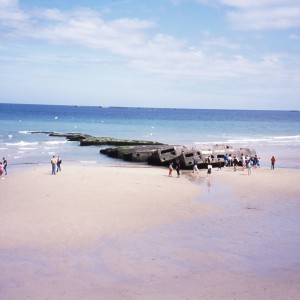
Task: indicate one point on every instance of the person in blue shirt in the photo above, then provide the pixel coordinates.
(195, 168)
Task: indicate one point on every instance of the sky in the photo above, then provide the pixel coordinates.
(218, 54)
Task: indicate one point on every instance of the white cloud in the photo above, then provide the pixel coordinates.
(281, 17)
(8, 3)
(49, 14)
(83, 27)
(209, 41)
(260, 14)
(258, 3)
(158, 54)
(11, 15)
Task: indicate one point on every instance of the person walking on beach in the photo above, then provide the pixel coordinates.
(273, 163)
(58, 164)
(195, 168)
(53, 163)
(5, 165)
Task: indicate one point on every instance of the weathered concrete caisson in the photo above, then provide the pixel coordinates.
(131, 153)
(88, 140)
(156, 153)
(211, 154)
(187, 157)
(163, 155)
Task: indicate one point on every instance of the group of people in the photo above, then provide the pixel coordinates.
(56, 164)
(229, 161)
(174, 165)
(234, 161)
(247, 162)
(3, 168)
(209, 167)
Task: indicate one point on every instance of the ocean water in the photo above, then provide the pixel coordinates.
(268, 132)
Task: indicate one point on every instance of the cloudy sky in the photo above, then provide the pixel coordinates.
(230, 54)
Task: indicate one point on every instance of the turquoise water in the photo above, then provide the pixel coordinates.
(269, 132)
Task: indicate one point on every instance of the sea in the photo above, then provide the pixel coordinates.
(268, 132)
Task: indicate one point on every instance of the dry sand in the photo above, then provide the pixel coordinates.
(135, 233)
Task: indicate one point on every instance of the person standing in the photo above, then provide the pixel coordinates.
(209, 168)
(170, 169)
(243, 159)
(273, 163)
(177, 167)
(53, 163)
(249, 166)
(225, 160)
(1, 170)
(219, 165)
(258, 162)
(255, 161)
(58, 164)
(5, 165)
(235, 163)
(229, 160)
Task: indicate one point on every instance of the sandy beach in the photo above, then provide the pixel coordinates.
(94, 232)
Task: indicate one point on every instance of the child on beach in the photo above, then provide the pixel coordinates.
(170, 169)
(209, 167)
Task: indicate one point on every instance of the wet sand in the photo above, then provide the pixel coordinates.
(135, 233)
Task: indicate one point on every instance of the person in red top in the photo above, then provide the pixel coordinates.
(273, 162)
(1, 170)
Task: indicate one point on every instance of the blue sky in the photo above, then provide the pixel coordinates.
(229, 54)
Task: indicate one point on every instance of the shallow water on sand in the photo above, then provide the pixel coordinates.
(240, 246)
